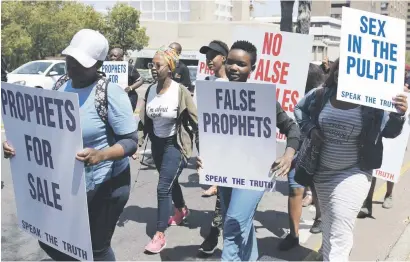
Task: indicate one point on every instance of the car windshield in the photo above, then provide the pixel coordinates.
(145, 73)
(32, 68)
(192, 73)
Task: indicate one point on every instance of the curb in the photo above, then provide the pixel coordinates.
(401, 249)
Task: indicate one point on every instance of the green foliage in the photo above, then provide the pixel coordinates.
(124, 28)
(408, 57)
(33, 30)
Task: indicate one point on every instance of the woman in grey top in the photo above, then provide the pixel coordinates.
(351, 147)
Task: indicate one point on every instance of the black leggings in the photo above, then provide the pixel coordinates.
(133, 96)
(105, 205)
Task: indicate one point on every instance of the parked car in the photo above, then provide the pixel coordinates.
(146, 75)
(192, 75)
(39, 73)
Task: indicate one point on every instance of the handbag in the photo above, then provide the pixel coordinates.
(306, 162)
(307, 158)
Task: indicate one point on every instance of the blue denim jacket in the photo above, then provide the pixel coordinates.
(376, 125)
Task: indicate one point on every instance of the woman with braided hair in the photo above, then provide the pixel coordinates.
(169, 111)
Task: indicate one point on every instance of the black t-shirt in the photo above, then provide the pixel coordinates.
(407, 82)
(181, 75)
(133, 75)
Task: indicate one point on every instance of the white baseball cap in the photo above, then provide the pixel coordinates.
(88, 47)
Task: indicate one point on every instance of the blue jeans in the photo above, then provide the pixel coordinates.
(169, 162)
(291, 180)
(239, 237)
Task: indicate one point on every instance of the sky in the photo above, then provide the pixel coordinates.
(267, 8)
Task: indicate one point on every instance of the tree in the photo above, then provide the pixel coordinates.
(303, 20)
(286, 8)
(124, 29)
(408, 57)
(36, 30)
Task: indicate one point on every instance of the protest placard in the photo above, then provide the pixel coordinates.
(43, 127)
(283, 60)
(393, 154)
(372, 59)
(203, 70)
(117, 72)
(237, 123)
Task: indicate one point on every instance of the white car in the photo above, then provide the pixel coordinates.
(39, 73)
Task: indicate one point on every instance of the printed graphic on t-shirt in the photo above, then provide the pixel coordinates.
(157, 111)
(335, 131)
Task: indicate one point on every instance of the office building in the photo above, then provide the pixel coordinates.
(408, 27)
(333, 8)
(394, 8)
(163, 10)
(192, 10)
(326, 35)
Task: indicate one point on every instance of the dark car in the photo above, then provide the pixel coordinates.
(192, 74)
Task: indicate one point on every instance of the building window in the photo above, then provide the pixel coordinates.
(185, 5)
(146, 16)
(172, 16)
(337, 16)
(146, 6)
(340, 5)
(159, 16)
(159, 5)
(185, 16)
(173, 5)
(135, 4)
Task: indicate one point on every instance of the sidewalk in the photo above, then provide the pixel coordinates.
(401, 249)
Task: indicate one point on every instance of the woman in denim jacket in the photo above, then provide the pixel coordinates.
(350, 136)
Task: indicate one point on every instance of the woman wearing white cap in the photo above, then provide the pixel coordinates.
(109, 136)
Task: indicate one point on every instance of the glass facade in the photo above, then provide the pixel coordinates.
(163, 10)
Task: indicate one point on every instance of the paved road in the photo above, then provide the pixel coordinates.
(373, 237)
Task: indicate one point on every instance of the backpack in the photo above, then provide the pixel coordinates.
(100, 100)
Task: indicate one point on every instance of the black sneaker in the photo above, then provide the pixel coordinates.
(288, 243)
(316, 227)
(211, 241)
(366, 210)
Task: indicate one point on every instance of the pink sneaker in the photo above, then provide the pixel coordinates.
(178, 217)
(157, 244)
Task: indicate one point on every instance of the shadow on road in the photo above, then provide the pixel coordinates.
(282, 187)
(193, 181)
(268, 251)
(274, 221)
(148, 216)
(188, 253)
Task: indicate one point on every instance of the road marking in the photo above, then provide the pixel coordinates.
(313, 255)
(304, 230)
